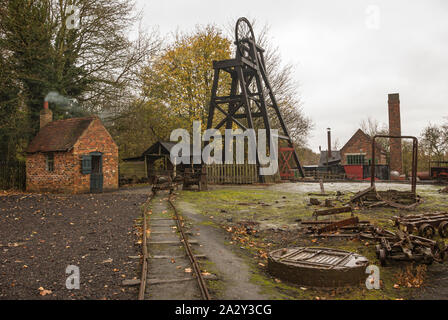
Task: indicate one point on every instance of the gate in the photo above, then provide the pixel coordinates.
(285, 154)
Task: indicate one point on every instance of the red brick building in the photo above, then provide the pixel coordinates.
(71, 156)
(357, 153)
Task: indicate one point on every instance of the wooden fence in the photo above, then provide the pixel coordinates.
(236, 174)
(322, 175)
(12, 175)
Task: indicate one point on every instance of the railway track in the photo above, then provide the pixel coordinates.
(162, 235)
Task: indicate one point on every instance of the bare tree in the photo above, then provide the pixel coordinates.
(373, 127)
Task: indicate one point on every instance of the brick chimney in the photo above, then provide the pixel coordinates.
(395, 130)
(46, 116)
(329, 142)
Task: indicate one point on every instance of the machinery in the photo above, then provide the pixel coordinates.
(251, 96)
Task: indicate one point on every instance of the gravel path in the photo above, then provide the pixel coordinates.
(43, 234)
(232, 269)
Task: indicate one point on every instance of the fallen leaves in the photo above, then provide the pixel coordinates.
(263, 255)
(44, 292)
(411, 277)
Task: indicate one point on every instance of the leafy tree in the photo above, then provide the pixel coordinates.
(181, 78)
(177, 84)
(175, 90)
(95, 64)
(434, 141)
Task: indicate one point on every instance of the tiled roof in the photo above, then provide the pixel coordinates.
(60, 135)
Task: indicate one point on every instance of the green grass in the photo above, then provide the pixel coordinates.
(249, 204)
(228, 206)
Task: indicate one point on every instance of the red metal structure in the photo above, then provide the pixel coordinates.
(285, 154)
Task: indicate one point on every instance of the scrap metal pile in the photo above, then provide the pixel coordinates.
(336, 227)
(425, 224)
(371, 198)
(195, 176)
(402, 246)
(163, 183)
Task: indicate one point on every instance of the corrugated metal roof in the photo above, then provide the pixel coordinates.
(334, 159)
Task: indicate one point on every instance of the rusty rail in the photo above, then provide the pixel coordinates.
(194, 263)
(141, 292)
(197, 270)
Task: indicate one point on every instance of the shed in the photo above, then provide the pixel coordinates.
(157, 159)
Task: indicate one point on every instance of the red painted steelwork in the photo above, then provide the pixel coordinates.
(285, 169)
(354, 172)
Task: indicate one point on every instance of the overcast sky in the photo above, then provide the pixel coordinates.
(348, 54)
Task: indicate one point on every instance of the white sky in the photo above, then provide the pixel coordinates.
(348, 54)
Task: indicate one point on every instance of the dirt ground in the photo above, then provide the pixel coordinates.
(43, 234)
(258, 219)
(232, 270)
(235, 227)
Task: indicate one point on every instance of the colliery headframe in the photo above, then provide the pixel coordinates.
(251, 95)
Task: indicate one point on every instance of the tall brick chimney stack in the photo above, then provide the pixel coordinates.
(46, 116)
(395, 130)
(329, 142)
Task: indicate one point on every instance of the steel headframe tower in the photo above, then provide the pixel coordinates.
(248, 89)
